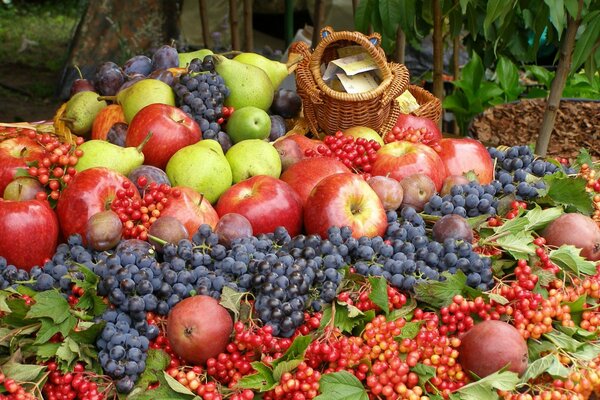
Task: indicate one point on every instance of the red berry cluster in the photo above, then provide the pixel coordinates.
(226, 112)
(418, 135)
(137, 214)
(362, 301)
(337, 352)
(71, 385)
(459, 316)
(302, 384)
(13, 390)
(358, 154)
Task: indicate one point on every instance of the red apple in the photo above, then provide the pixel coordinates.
(465, 155)
(289, 152)
(198, 328)
(344, 200)
(105, 119)
(91, 191)
(423, 129)
(305, 174)
(266, 202)
(388, 190)
(29, 232)
(401, 159)
(191, 209)
(171, 128)
(15, 153)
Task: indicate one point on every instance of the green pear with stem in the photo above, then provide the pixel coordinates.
(80, 112)
(100, 153)
(275, 70)
(140, 94)
(249, 85)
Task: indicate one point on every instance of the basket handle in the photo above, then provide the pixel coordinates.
(369, 43)
(399, 83)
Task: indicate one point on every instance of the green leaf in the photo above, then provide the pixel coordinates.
(537, 367)
(390, 11)
(587, 40)
(46, 351)
(156, 362)
(283, 367)
(378, 293)
(3, 305)
(537, 347)
(471, 75)
(23, 372)
(47, 330)
(519, 245)
(409, 330)
(558, 17)
(538, 218)
(485, 388)
(577, 331)
(50, 304)
(587, 352)
(163, 392)
(440, 294)
(341, 386)
(544, 276)
(68, 351)
(498, 298)
(92, 303)
(89, 335)
(569, 191)
(345, 317)
(514, 226)
(508, 78)
(424, 372)
(557, 370)
(295, 352)
(362, 16)
(563, 341)
(572, 6)
(404, 311)
(232, 299)
(262, 380)
(567, 257)
(496, 11)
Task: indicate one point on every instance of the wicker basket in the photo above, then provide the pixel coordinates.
(328, 110)
(429, 107)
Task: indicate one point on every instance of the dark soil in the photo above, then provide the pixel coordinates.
(577, 125)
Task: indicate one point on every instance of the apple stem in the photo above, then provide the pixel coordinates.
(67, 119)
(158, 240)
(140, 147)
(78, 71)
(109, 98)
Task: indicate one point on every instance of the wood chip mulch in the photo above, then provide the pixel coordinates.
(577, 125)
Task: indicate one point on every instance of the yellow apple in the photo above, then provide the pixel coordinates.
(364, 132)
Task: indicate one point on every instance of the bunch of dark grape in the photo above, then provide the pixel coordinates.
(469, 200)
(9, 274)
(123, 350)
(201, 93)
(519, 171)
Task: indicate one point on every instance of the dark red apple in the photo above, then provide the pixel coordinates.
(266, 202)
(91, 191)
(305, 174)
(198, 328)
(29, 232)
(304, 142)
(15, 153)
(191, 209)
(166, 229)
(344, 199)
(465, 155)
(417, 190)
(389, 191)
(401, 159)
(233, 226)
(105, 119)
(577, 230)
(289, 152)
(172, 129)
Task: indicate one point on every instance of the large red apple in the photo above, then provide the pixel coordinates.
(465, 155)
(29, 232)
(172, 129)
(266, 202)
(90, 192)
(191, 209)
(305, 174)
(198, 328)
(15, 153)
(105, 119)
(344, 200)
(401, 159)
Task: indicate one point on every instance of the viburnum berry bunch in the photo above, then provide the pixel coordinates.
(362, 301)
(137, 215)
(72, 385)
(358, 154)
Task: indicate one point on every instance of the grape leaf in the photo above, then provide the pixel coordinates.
(440, 294)
(89, 334)
(345, 317)
(156, 362)
(232, 300)
(341, 386)
(587, 352)
(537, 367)
(538, 218)
(568, 191)
(23, 372)
(46, 351)
(283, 367)
(557, 370)
(563, 341)
(295, 352)
(50, 304)
(519, 245)
(409, 330)
(424, 372)
(485, 388)
(568, 257)
(262, 380)
(379, 294)
(584, 157)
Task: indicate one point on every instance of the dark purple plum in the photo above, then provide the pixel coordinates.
(452, 226)
(165, 57)
(224, 140)
(163, 76)
(117, 133)
(138, 65)
(152, 174)
(104, 230)
(286, 103)
(109, 79)
(278, 128)
(166, 228)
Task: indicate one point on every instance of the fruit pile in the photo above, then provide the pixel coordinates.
(181, 243)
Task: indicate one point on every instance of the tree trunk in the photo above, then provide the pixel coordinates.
(204, 20)
(438, 52)
(234, 25)
(319, 16)
(248, 26)
(400, 45)
(558, 83)
(112, 30)
(455, 74)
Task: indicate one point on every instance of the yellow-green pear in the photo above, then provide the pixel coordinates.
(276, 71)
(142, 93)
(186, 58)
(201, 166)
(253, 157)
(249, 85)
(100, 153)
(80, 112)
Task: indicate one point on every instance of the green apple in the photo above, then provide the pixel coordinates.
(253, 157)
(186, 58)
(248, 123)
(201, 166)
(364, 132)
